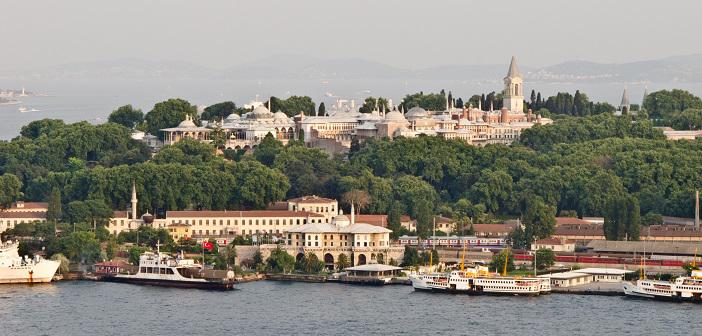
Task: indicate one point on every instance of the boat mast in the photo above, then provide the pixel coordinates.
(463, 256)
(504, 269)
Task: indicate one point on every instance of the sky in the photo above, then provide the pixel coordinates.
(407, 34)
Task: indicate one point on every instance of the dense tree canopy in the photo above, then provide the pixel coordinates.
(127, 116)
(169, 113)
(293, 106)
(662, 104)
(219, 111)
(429, 101)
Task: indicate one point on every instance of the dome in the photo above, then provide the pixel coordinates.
(147, 218)
(340, 220)
(260, 112)
(417, 113)
(280, 116)
(187, 123)
(395, 116)
(232, 117)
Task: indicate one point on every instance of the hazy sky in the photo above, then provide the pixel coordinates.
(410, 34)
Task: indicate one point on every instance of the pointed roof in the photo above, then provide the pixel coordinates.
(625, 98)
(645, 94)
(513, 70)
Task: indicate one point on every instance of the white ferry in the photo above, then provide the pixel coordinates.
(682, 289)
(160, 269)
(16, 269)
(478, 281)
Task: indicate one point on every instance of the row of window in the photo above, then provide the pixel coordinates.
(156, 270)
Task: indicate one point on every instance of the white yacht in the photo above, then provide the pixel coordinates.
(478, 281)
(682, 289)
(22, 109)
(160, 269)
(16, 269)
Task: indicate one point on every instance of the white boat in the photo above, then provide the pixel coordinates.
(23, 109)
(682, 289)
(16, 269)
(478, 281)
(160, 269)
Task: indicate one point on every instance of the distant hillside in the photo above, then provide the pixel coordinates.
(684, 69)
(671, 69)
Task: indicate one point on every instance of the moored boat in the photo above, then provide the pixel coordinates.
(16, 269)
(688, 288)
(478, 281)
(160, 269)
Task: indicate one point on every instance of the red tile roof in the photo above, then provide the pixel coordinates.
(552, 241)
(121, 214)
(377, 220)
(23, 214)
(30, 205)
(570, 221)
(278, 206)
(493, 228)
(236, 213)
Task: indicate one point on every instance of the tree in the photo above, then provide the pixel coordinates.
(82, 247)
(539, 219)
(268, 150)
(410, 257)
(662, 104)
(358, 198)
(343, 262)
(127, 116)
(371, 104)
(310, 264)
(54, 213)
(544, 258)
(10, 190)
(219, 111)
(498, 261)
(134, 254)
(623, 219)
(434, 257)
(111, 249)
(169, 113)
(63, 262)
(258, 259)
(322, 111)
(395, 219)
(690, 119)
(229, 254)
(430, 102)
(280, 261)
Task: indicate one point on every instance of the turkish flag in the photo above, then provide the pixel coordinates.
(207, 245)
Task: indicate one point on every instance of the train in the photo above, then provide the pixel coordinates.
(605, 260)
(453, 241)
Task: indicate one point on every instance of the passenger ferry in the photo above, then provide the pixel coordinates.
(478, 281)
(682, 289)
(160, 269)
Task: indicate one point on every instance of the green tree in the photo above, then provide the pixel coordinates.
(127, 116)
(662, 104)
(63, 262)
(82, 247)
(134, 254)
(219, 111)
(544, 258)
(169, 113)
(690, 119)
(54, 213)
(111, 249)
(410, 257)
(280, 261)
(10, 190)
(343, 262)
(498, 261)
(322, 110)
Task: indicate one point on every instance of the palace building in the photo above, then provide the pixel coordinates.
(22, 212)
(361, 242)
(343, 123)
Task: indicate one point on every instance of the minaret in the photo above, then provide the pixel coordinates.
(513, 93)
(353, 215)
(697, 209)
(134, 201)
(643, 101)
(624, 106)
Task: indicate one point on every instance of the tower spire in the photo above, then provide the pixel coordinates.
(134, 201)
(513, 70)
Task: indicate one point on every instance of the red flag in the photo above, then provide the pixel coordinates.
(207, 245)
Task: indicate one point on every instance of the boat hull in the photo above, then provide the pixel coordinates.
(38, 273)
(635, 292)
(209, 285)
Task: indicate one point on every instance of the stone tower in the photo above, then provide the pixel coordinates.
(514, 92)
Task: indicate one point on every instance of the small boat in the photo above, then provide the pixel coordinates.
(34, 110)
(161, 269)
(23, 109)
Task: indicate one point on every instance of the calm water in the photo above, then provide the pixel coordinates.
(93, 100)
(274, 308)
